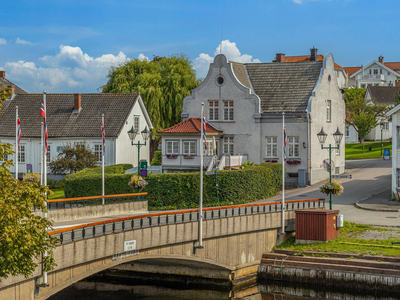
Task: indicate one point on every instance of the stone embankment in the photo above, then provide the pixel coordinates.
(337, 271)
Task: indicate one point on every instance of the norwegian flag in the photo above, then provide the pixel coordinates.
(104, 136)
(284, 143)
(204, 131)
(19, 130)
(46, 134)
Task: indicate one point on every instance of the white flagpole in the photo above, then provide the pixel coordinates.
(16, 142)
(45, 177)
(201, 180)
(102, 161)
(283, 173)
(41, 153)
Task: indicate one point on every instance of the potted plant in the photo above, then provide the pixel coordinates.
(293, 161)
(188, 156)
(271, 160)
(172, 156)
(137, 182)
(333, 187)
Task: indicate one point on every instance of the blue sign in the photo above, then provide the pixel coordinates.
(143, 173)
(386, 154)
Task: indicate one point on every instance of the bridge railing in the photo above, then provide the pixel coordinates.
(94, 200)
(83, 231)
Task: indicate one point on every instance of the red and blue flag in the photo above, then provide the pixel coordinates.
(46, 134)
(204, 131)
(104, 136)
(19, 130)
(284, 143)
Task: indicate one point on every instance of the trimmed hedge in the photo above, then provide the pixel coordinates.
(181, 190)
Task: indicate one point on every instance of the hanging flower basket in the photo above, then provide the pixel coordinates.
(271, 161)
(172, 156)
(137, 182)
(293, 161)
(188, 156)
(334, 188)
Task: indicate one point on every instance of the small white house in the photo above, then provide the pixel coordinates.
(75, 118)
(395, 114)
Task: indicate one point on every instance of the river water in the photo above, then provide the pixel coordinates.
(261, 291)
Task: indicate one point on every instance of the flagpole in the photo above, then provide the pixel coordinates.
(45, 175)
(201, 181)
(16, 142)
(41, 153)
(283, 172)
(102, 160)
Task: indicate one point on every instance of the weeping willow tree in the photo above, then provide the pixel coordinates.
(163, 84)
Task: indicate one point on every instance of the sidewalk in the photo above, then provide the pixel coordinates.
(379, 202)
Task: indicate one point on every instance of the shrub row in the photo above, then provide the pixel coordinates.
(181, 190)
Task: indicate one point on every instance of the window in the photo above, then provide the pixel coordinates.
(398, 136)
(228, 110)
(293, 146)
(21, 153)
(136, 123)
(172, 147)
(328, 110)
(48, 153)
(337, 170)
(228, 145)
(189, 147)
(213, 113)
(380, 71)
(385, 126)
(337, 150)
(98, 151)
(363, 85)
(375, 71)
(347, 131)
(271, 146)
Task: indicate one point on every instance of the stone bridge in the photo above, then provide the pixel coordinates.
(234, 239)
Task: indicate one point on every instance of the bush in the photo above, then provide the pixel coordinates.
(156, 161)
(181, 190)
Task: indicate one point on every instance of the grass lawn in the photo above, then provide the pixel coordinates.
(58, 193)
(354, 239)
(354, 151)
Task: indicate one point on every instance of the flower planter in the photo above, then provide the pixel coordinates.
(293, 161)
(172, 156)
(188, 156)
(271, 161)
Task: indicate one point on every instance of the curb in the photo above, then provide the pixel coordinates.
(358, 205)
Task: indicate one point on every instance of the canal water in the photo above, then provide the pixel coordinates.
(261, 291)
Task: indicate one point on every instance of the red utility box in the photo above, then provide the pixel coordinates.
(316, 225)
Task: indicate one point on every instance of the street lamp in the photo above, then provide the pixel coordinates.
(337, 137)
(382, 126)
(145, 135)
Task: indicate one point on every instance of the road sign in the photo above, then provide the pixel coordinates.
(325, 164)
(386, 154)
(143, 173)
(29, 168)
(341, 176)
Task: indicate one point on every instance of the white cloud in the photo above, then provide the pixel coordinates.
(3, 41)
(70, 70)
(142, 57)
(231, 51)
(23, 42)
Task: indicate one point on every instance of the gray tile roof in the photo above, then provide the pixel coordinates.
(8, 83)
(384, 94)
(61, 120)
(284, 86)
(241, 74)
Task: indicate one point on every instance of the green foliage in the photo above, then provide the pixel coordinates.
(57, 194)
(247, 164)
(162, 83)
(354, 151)
(181, 190)
(156, 161)
(73, 158)
(137, 182)
(114, 169)
(333, 187)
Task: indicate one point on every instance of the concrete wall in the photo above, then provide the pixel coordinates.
(230, 243)
(95, 211)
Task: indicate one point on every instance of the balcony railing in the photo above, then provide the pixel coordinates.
(371, 77)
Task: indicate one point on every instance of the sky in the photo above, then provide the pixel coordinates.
(68, 46)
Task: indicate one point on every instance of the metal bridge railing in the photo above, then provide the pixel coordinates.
(94, 200)
(164, 218)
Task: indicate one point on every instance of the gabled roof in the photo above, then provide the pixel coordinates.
(240, 72)
(383, 94)
(389, 66)
(191, 125)
(7, 83)
(284, 86)
(62, 121)
(351, 70)
(299, 58)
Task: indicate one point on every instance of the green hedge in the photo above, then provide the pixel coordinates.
(181, 190)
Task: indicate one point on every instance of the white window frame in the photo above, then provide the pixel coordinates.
(48, 154)
(213, 110)
(271, 146)
(174, 146)
(98, 151)
(328, 110)
(347, 131)
(293, 147)
(191, 147)
(21, 153)
(136, 123)
(228, 145)
(228, 110)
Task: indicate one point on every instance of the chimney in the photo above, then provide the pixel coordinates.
(381, 59)
(313, 56)
(397, 82)
(3, 74)
(280, 57)
(12, 90)
(77, 103)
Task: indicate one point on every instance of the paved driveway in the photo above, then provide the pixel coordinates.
(369, 177)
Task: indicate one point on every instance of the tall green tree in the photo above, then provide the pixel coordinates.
(163, 84)
(363, 114)
(23, 236)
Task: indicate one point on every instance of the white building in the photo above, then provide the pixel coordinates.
(245, 102)
(75, 118)
(395, 114)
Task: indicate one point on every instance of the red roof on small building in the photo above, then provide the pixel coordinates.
(351, 70)
(191, 125)
(306, 58)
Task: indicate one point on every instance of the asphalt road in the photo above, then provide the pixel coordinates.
(369, 177)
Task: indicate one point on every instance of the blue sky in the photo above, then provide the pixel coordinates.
(68, 46)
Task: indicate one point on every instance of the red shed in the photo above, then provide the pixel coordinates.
(316, 225)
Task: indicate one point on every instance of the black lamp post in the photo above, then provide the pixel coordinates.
(145, 135)
(338, 138)
(382, 126)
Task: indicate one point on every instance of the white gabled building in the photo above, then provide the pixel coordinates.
(75, 118)
(395, 114)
